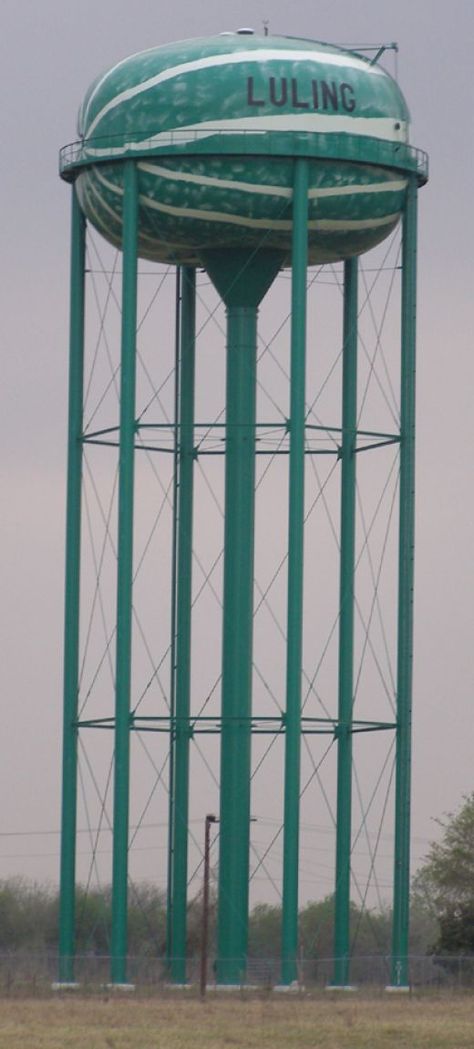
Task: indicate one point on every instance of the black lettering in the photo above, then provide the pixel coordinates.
(314, 88)
(294, 96)
(281, 101)
(251, 101)
(329, 93)
(348, 103)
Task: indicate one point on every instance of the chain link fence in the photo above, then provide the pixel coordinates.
(36, 973)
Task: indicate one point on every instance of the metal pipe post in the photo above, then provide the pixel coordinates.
(346, 628)
(124, 578)
(237, 642)
(401, 892)
(295, 575)
(174, 576)
(205, 905)
(71, 612)
(181, 727)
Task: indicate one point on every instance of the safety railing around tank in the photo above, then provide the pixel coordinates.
(345, 147)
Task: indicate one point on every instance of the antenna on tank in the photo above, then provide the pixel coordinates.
(382, 48)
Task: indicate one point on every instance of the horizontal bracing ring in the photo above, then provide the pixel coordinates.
(266, 725)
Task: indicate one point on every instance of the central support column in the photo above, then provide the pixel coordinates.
(242, 280)
(237, 642)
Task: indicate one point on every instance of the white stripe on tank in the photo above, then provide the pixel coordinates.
(228, 59)
(240, 220)
(284, 225)
(87, 187)
(393, 186)
(219, 183)
(380, 128)
(84, 110)
(264, 223)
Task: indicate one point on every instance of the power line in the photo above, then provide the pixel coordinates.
(82, 830)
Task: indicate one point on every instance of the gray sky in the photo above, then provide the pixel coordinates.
(50, 52)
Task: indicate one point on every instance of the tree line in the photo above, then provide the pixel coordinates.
(442, 914)
(29, 919)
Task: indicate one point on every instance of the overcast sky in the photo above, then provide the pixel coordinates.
(50, 52)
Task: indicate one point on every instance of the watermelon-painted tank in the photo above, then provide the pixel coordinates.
(215, 124)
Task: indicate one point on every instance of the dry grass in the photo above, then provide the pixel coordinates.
(320, 1022)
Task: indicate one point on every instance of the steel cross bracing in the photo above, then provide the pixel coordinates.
(273, 439)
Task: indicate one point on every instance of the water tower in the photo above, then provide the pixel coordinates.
(241, 156)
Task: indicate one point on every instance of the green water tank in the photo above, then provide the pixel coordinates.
(214, 125)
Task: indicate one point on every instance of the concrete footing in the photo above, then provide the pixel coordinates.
(233, 988)
(120, 987)
(65, 986)
(344, 988)
(288, 988)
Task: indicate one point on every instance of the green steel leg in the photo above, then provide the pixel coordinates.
(346, 629)
(237, 643)
(124, 579)
(71, 615)
(401, 892)
(295, 575)
(172, 736)
(183, 625)
(174, 576)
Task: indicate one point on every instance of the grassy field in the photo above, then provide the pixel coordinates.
(306, 1023)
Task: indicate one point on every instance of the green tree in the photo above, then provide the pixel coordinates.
(265, 931)
(27, 914)
(93, 918)
(369, 930)
(316, 928)
(444, 886)
(146, 920)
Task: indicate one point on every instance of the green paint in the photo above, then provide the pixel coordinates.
(242, 280)
(189, 83)
(237, 643)
(183, 625)
(124, 580)
(190, 112)
(72, 598)
(346, 628)
(401, 891)
(295, 575)
(174, 576)
(213, 187)
(179, 224)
